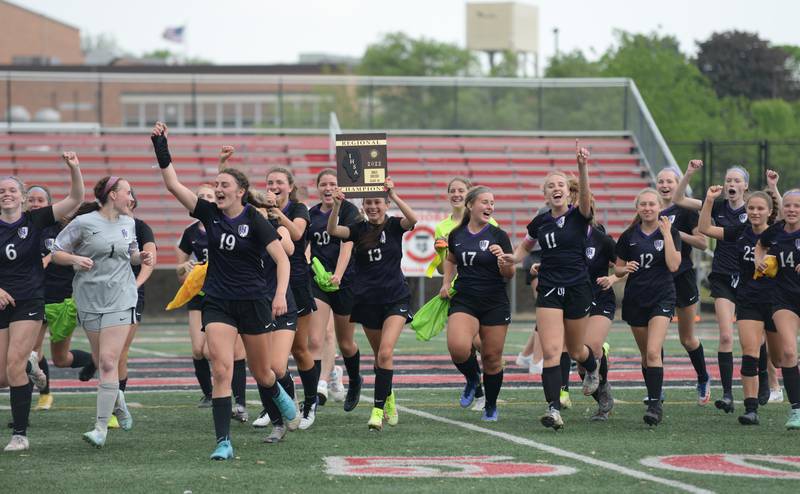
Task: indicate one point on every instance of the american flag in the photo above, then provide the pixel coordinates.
(174, 34)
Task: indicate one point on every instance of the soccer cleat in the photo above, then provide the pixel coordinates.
(390, 410)
(552, 419)
(37, 375)
(599, 416)
(353, 394)
(113, 423)
(223, 451)
(566, 402)
(489, 414)
(287, 408)
(468, 395)
(336, 389)
(725, 404)
(205, 402)
(239, 412)
(45, 402)
(87, 372)
(606, 349)
(17, 443)
(605, 402)
(263, 420)
(704, 392)
(794, 419)
(276, 435)
(591, 381)
(309, 414)
(776, 395)
(322, 392)
(654, 413)
(122, 414)
(375, 422)
(536, 367)
(524, 360)
(95, 437)
(479, 404)
(749, 418)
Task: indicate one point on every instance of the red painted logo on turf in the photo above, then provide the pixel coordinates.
(439, 466)
(759, 466)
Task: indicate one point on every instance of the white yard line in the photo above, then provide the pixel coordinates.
(560, 452)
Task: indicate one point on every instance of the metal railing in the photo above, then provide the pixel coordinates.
(106, 100)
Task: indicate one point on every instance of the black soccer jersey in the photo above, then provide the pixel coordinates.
(726, 258)
(478, 273)
(144, 234)
(600, 251)
(194, 241)
(299, 269)
(378, 277)
(652, 282)
(21, 270)
(236, 247)
(323, 246)
(57, 278)
(684, 220)
(563, 242)
(786, 248)
(746, 287)
(271, 275)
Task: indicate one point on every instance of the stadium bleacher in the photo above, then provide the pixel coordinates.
(421, 166)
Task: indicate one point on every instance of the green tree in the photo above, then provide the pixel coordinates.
(397, 54)
(572, 64)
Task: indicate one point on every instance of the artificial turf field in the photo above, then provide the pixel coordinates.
(437, 446)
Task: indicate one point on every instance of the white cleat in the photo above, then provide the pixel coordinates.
(524, 360)
(37, 375)
(776, 395)
(17, 443)
(262, 421)
(336, 389)
(478, 404)
(95, 437)
(309, 415)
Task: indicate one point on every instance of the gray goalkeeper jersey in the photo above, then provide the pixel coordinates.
(110, 285)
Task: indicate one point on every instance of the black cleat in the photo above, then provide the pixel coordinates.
(725, 404)
(654, 413)
(87, 372)
(749, 418)
(353, 394)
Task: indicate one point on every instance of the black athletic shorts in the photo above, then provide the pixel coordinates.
(248, 316)
(24, 310)
(139, 309)
(372, 316)
(531, 259)
(575, 301)
(783, 300)
(303, 298)
(341, 301)
(196, 303)
(686, 289)
(756, 311)
(287, 321)
(636, 315)
(723, 286)
(489, 311)
(604, 304)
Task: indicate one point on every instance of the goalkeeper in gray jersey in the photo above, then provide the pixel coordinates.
(100, 243)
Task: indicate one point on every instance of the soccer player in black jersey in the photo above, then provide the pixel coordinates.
(235, 301)
(727, 211)
(285, 210)
(480, 305)
(22, 288)
(336, 256)
(649, 252)
(782, 240)
(193, 249)
(147, 243)
(565, 292)
(382, 298)
(753, 297)
(687, 294)
(600, 256)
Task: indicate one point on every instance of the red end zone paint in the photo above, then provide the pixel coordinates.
(439, 466)
(730, 465)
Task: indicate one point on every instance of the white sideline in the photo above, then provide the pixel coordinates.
(560, 452)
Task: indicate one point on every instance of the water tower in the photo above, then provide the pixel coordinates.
(507, 26)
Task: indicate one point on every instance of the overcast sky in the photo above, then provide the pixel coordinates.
(266, 31)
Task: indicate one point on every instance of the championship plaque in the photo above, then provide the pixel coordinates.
(361, 164)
